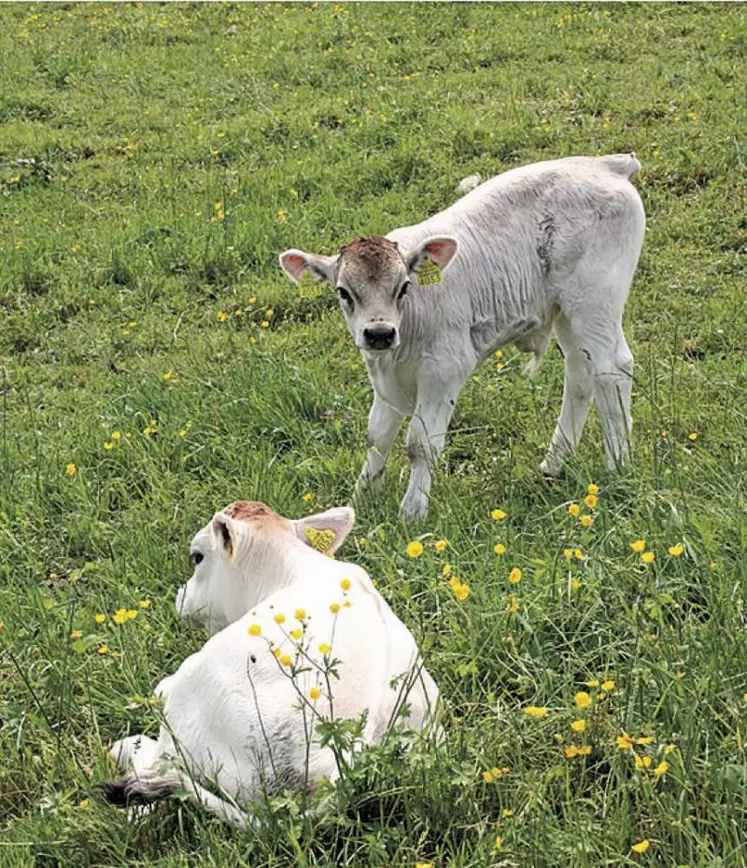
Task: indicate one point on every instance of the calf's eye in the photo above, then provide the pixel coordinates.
(198, 557)
(345, 295)
(403, 292)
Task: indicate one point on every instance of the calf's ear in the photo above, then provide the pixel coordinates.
(227, 533)
(296, 263)
(325, 531)
(440, 249)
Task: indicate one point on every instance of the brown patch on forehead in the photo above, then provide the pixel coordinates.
(367, 258)
(250, 510)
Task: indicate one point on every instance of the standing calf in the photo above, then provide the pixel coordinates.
(299, 639)
(550, 247)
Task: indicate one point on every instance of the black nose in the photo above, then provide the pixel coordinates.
(379, 337)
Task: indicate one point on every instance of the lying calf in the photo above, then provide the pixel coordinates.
(550, 247)
(300, 638)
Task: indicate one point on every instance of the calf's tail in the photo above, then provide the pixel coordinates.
(150, 786)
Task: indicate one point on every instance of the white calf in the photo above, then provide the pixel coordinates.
(300, 638)
(547, 247)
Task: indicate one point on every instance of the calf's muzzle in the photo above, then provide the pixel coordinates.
(379, 337)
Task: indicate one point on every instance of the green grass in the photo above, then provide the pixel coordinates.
(120, 130)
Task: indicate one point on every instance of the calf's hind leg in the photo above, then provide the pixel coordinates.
(577, 396)
(613, 384)
(599, 364)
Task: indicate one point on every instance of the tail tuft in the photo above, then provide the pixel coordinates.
(133, 790)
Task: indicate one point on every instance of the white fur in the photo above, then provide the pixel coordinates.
(549, 247)
(233, 716)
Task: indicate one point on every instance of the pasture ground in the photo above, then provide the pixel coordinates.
(154, 160)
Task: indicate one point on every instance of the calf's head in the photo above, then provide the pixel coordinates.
(246, 552)
(372, 276)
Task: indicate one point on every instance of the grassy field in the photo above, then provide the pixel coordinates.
(155, 365)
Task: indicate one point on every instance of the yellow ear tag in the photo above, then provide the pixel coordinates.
(307, 286)
(321, 540)
(429, 273)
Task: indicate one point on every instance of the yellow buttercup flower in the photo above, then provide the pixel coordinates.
(513, 604)
(624, 741)
(593, 683)
(576, 584)
(488, 777)
(498, 514)
(574, 509)
(641, 846)
(578, 554)
(586, 520)
(515, 576)
(582, 699)
(693, 436)
(415, 549)
(461, 590)
(592, 489)
(296, 634)
(591, 500)
(345, 584)
(676, 551)
(648, 557)
(578, 725)
(104, 649)
(285, 659)
(254, 630)
(76, 634)
(608, 686)
(638, 546)
(99, 619)
(334, 608)
(499, 549)
(300, 614)
(536, 710)
(70, 469)
(661, 769)
(446, 570)
(642, 762)
(324, 648)
(144, 604)
(315, 693)
(279, 618)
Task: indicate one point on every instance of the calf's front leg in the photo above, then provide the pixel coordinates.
(384, 423)
(425, 441)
